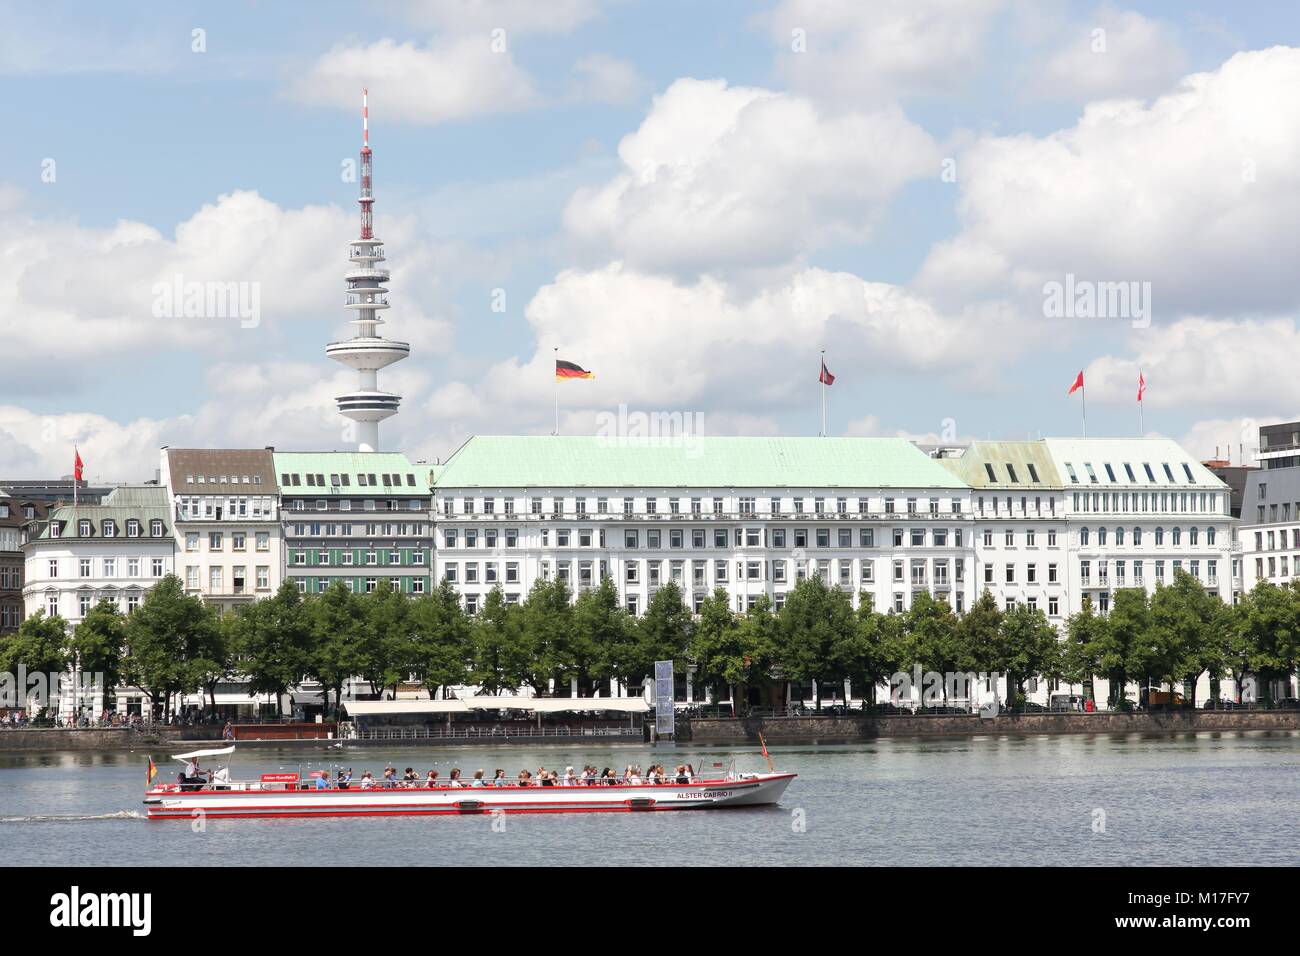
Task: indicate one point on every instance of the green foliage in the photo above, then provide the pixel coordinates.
(815, 620)
(99, 643)
(441, 632)
(175, 645)
(40, 646)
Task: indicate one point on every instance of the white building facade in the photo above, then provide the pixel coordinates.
(226, 517)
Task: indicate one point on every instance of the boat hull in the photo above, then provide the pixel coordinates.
(744, 791)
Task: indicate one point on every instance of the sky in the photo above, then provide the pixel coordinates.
(963, 203)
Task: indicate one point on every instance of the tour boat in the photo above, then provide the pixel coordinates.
(287, 795)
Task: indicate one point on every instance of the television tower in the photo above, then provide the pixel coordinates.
(367, 351)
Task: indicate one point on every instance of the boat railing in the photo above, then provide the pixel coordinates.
(492, 733)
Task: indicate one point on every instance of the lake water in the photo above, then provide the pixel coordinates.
(1195, 799)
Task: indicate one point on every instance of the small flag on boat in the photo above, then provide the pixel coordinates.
(151, 772)
(717, 765)
(766, 756)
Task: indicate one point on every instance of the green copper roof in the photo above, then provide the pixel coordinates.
(142, 502)
(1010, 463)
(325, 473)
(692, 461)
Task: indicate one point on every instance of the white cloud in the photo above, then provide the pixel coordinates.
(523, 16)
(72, 293)
(1114, 53)
(599, 78)
(720, 176)
(856, 52)
(449, 79)
(1230, 365)
(1197, 193)
(1233, 439)
(753, 356)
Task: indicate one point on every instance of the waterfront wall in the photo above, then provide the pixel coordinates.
(39, 739)
(722, 730)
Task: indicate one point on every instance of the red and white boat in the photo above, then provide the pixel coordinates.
(286, 795)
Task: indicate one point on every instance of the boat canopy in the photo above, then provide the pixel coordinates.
(543, 705)
(218, 752)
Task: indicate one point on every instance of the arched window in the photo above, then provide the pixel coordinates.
(1137, 537)
(1101, 537)
(1119, 537)
(1083, 537)
(1192, 537)
(1209, 535)
(1178, 537)
(1160, 536)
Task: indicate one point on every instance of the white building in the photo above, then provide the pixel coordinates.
(226, 515)
(83, 554)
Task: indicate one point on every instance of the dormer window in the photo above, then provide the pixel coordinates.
(1128, 470)
(132, 528)
(1069, 468)
(1011, 470)
(83, 528)
(156, 528)
(988, 470)
(1187, 469)
(1110, 472)
(1033, 473)
(1092, 475)
(1168, 472)
(110, 528)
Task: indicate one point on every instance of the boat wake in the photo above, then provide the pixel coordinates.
(76, 818)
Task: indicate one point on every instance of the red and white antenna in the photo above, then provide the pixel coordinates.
(367, 220)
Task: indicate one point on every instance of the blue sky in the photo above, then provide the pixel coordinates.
(503, 171)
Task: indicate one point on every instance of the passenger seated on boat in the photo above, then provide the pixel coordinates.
(500, 779)
(431, 780)
(606, 777)
(409, 779)
(478, 779)
(367, 781)
(323, 782)
(390, 777)
(547, 780)
(344, 780)
(569, 780)
(454, 780)
(681, 774)
(690, 774)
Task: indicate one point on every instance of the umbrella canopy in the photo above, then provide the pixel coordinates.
(222, 751)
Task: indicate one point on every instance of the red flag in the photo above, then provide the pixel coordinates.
(76, 464)
(1142, 385)
(1078, 383)
(826, 378)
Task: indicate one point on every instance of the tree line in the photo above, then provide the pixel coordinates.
(174, 643)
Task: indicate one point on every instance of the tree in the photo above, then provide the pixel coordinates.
(336, 625)
(1030, 647)
(760, 640)
(931, 637)
(663, 633)
(388, 646)
(441, 630)
(813, 621)
(271, 643)
(1085, 644)
(1269, 625)
(1185, 615)
(868, 655)
(497, 649)
(98, 644)
(1121, 637)
(546, 618)
(600, 627)
(171, 643)
(979, 637)
(39, 647)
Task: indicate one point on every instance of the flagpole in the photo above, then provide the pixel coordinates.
(74, 476)
(1084, 399)
(821, 377)
(1142, 429)
(556, 386)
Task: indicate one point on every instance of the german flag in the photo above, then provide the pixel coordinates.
(566, 370)
(150, 772)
